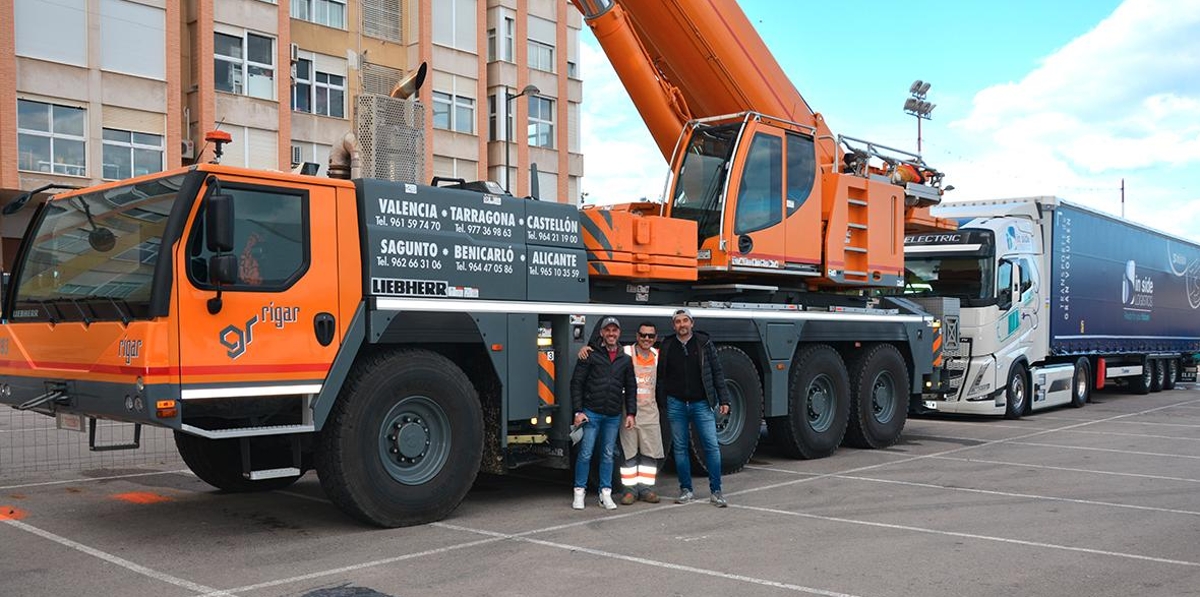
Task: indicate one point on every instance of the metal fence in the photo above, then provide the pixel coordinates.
(32, 443)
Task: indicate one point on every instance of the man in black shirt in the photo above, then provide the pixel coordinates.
(691, 382)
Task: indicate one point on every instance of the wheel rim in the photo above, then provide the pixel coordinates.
(883, 397)
(414, 440)
(1160, 373)
(1081, 384)
(1018, 392)
(729, 426)
(819, 403)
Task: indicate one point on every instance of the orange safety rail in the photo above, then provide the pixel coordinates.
(626, 244)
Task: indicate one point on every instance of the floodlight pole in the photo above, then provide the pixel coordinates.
(918, 107)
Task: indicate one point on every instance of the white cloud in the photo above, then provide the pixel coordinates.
(1119, 103)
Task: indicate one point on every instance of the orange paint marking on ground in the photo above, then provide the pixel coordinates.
(11, 513)
(141, 497)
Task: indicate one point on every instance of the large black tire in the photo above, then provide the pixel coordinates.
(818, 405)
(1172, 374)
(404, 440)
(1141, 384)
(218, 462)
(737, 432)
(1081, 383)
(879, 391)
(1016, 392)
(1159, 375)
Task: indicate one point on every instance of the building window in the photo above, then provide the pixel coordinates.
(331, 13)
(318, 92)
(128, 154)
(454, 24)
(541, 122)
(492, 124)
(453, 112)
(133, 39)
(245, 65)
(572, 70)
(330, 92)
(500, 47)
(55, 31)
(381, 19)
(302, 86)
(50, 138)
(541, 56)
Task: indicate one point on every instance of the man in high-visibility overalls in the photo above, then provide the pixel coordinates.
(642, 443)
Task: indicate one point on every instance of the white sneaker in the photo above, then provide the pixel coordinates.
(606, 500)
(577, 503)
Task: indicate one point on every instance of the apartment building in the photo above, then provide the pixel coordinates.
(97, 90)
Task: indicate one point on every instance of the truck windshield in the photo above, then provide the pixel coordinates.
(701, 179)
(92, 256)
(969, 278)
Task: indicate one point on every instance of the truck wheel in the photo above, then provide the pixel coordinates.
(818, 405)
(1160, 374)
(737, 432)
(1016, 393)
(1141, 384)
(878, 398)
(1081, 383)
(218, 462)
(404, 440)
(1172, 374)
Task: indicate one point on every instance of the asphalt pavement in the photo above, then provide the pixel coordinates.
(1097, 501)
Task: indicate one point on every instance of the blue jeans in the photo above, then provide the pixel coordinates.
(701, 415)
(606, 426)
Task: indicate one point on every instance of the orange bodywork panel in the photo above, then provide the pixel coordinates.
(919, 220)
(268, 336)
(623, 243)
(863, 231)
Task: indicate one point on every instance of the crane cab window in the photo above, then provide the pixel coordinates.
(760, 194)
(270, 239)
(801, 170)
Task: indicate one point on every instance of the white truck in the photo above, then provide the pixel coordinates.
(1056, 299)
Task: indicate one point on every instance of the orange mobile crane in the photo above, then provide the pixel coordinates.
(775, 195)
(399, 337)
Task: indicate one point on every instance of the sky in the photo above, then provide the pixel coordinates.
(1066, 98)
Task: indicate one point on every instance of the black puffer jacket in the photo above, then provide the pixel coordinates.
(711, 372)
(602, 386)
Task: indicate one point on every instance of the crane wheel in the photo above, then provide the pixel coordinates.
(737, 432)
(403, 443)
(879, 392)
(818, 405)
(218, 462)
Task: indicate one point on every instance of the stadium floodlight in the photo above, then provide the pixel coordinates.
(917, 106)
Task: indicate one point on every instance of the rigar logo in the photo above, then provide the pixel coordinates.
(1137, 292)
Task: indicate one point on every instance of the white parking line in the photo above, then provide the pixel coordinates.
(1062, 446)
(901, 527)
(93, 479)
(1153, 423)
(1069, 469)
(653, 563)
(122, 562)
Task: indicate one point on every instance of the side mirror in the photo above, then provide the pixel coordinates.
(223, 269)
(218, 223)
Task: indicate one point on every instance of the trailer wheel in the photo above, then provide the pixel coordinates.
(818, 405)
(1016, 393)
(737, 432)
(404, 440)
(878, 398)
(1172, 374)
(1081, 383)
(218, 462)
(1141, 384)
(1160, 375)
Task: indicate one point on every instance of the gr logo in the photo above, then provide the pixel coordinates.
(237, 339)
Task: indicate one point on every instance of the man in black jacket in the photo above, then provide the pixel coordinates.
(691, 382)
(603, 388)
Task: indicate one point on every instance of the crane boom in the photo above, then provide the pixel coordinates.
(772, 191)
